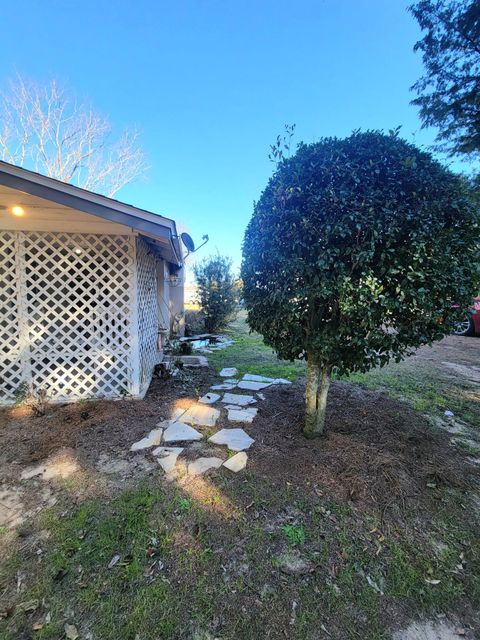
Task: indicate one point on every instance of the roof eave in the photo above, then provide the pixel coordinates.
(73, 197)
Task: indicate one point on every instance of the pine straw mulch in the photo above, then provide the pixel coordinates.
(378, 454)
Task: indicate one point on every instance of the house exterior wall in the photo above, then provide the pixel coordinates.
(147, 313)
(177, 305)
(66, 321)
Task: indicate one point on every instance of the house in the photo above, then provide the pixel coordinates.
(90, 288)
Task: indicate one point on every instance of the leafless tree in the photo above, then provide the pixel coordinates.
(45, 128)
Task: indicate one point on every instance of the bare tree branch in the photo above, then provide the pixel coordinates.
(45, 129)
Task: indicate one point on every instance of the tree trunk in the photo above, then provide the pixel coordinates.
(318, 383)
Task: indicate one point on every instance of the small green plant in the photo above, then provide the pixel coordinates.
(184, 504)
(294, 533)
(21, 393)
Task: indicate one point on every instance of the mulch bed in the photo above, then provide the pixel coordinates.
(378, 454)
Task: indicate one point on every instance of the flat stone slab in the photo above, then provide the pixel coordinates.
(176, 413)
(228, 372)
(152, 440)
(253, 386)
(252, 377)
(201, 415)
(237, 414)
(201, 465)
(236, 463)
(225, 386)
(281, 381)
(179, 432)
(237, 399)
(235, 439)
(209, 398)
(167, 457)
(261, 396)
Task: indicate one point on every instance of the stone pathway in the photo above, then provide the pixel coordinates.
(179, 430)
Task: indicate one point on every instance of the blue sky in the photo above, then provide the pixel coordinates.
(210, 84)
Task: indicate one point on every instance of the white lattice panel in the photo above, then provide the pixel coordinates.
(147, 312)
(77, 296)
(11, 370)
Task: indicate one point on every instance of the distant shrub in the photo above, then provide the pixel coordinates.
(194, 322)
(217, 292)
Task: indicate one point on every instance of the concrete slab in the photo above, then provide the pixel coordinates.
(201, 415)
(201, 465)
(152, 440)
(167, 457)
(238, 399)
(209, 398)
(228, 372)
(253, 386)
(177, 413)
(237, 414)
(226, 386)
(252, 377)
(237, 462)
(180, 432)
(235, 439)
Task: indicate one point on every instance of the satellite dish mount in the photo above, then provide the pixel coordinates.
(189, 243)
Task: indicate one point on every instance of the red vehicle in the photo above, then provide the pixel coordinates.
(470, 325)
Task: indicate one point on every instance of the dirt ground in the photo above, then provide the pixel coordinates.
(380, 457)
(377, 449)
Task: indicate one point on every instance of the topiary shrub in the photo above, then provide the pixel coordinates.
(356, 250)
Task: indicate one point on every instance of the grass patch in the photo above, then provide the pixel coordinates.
(426, 386)
(249, 354)
(294, 533)
(181, 569)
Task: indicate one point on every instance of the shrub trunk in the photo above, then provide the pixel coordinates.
(318, 384)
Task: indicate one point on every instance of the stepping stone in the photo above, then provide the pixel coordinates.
(228, 372)
(235, 439)
(237, 399)
(226, 386)
(261, 396)
(254, 378)
(237, 414)
(152, 440)
(252, 386)
(167, 457)
(201, 415)
(209, 398)
(201, 465)
(237, 462)
(176, 413)
(281, 381)
(179, 432)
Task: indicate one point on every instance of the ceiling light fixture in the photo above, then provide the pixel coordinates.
(18, 211)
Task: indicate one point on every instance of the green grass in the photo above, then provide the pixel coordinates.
(249, 354)
(294, 533)
(426, 387)
(182, 568)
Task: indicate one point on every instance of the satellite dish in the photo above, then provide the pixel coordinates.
(188, 242)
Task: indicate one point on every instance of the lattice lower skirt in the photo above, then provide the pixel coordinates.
(69, 315)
